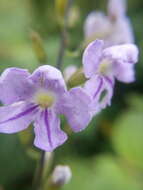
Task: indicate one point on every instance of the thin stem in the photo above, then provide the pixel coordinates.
(39, 172)
(63, 43)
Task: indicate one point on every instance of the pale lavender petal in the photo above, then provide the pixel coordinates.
(50, 78)
(48, 134)
(116, 8)
(127, 53)
(91, 57)
(94, 27)
(14, 85)
(94, 88)
(16, 117)
(109, 90)
(122, 33)
(76, 106)
(94, 85)
(125, 72)
(101, 90)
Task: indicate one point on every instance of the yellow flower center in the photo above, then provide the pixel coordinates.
(105, 67)
(45, 99)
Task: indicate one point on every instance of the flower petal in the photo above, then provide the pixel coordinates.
(16, 117)
(124, 72)
(116, 8)
(127, 53)
(91, 57)
(122, 33)
(94, 86)
(94, 27)
(14, 85)
(48, 134)
(75, 105)
(101, 90)
(49, 77)
(108, 89)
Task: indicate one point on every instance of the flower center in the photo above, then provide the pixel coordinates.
(45, 99)
(105, 67)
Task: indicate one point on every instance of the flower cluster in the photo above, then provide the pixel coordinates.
(114, 28)
(40, 97)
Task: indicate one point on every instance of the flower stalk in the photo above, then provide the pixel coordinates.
(37, 182)
(64, 36)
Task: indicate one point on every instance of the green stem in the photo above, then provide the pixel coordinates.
(39, 172)
(63, 43)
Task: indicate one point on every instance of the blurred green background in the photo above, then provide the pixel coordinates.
(108, 154)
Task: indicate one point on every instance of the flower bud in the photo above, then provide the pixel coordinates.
(69, 71)
(38, 47)
(74, 16)
(77, 79)
(61, 175)
(60, 6)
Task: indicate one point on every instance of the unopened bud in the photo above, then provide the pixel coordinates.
(61, 175)
(60, 6)
(77, 79)
(69, 71)
(38, 47)
(74, 16)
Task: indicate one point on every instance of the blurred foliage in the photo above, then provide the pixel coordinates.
(108, 154)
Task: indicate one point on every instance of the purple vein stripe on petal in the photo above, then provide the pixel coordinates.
(20, 114)
(99, 88)
(109, 81)
(48, 127)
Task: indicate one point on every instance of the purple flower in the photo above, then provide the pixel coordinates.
(103, 66)
(94, 27)
(114, 28)
(40, 97)
(116, 8)
(122, 33)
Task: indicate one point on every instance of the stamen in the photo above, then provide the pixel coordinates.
(45, 99)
